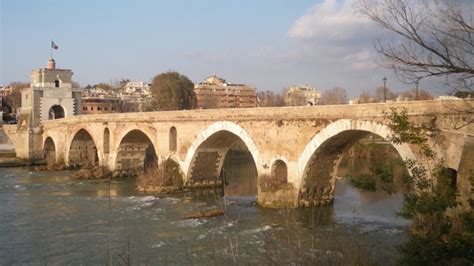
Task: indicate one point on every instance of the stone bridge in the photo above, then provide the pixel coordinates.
(296, 148)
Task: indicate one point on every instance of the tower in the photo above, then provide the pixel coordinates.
(50, 96)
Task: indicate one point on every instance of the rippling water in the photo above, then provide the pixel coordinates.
(47, 218)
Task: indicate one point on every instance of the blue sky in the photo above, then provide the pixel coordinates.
(268, 43)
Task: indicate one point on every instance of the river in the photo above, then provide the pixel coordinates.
(50, 219)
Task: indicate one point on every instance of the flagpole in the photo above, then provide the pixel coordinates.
(51, 48)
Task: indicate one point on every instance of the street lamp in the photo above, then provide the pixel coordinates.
(416, 90)
(384, 89)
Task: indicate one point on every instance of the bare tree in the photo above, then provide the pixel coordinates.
(336, 95)
(365, 97)
(269, 99)
(381, 91)
(436, 39)
(411, 95)
(75, 84)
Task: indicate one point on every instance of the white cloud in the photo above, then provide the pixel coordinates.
(333, 31)
(362, 60)
(331, 20)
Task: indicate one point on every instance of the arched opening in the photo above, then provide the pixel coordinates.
(106, 141)
(362, 173)
(173, 139)
(49, 151)
(56, 112)
(56, 83)
(323, 168)
(83, 151)
(224, 158)
(136, 153)
(279, 173)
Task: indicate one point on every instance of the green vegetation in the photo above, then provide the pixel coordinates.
(166, 177)
(173, 91)
(380, 177)
(441, 233)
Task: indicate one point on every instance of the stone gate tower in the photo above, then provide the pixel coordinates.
(50, 96)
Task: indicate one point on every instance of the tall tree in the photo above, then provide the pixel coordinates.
(435, 39)
(269, 99)
(123, 83)
(13, 100)
(173, 91)
(75, 84)
(384, 93)
(336, 95)
(411, 95)
(365, 97)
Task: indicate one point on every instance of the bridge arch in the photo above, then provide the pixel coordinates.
(318, 164)
(82, 150)
(135, 151)
(213, 144)
(50, 151)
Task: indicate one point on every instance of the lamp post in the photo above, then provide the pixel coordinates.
(384, 89)
(416, 90)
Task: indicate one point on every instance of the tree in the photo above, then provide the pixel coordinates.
(365, 97)
(423, 95)
(123, 83)
(439, 236)
(336, 95)
(435, 39)
(269, 99)
(173, 91)
(13, 100)
(379, 94)
(104, 86)
(75, 84)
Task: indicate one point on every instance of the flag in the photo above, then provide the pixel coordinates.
(54, 46)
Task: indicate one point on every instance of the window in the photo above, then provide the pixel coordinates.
(173, 139)
(84, 108)
(99, 108)
(279, 172)
(56, 83)
(106, 140)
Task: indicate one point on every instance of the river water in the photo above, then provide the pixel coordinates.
(50, 219)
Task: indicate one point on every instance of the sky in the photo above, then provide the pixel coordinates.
(271, 44)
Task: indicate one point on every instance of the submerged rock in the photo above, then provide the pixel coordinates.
(205, 214)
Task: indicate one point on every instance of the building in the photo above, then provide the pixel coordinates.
(138, 87)
(98, 101)
(134, 96)
(101, 105)
(50, 96)
(216, 92)
(301, 95)
(131, 98)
